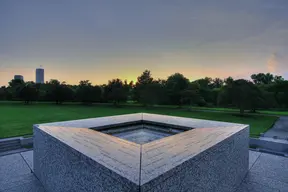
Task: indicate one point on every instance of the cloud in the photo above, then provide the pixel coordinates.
(272, 63)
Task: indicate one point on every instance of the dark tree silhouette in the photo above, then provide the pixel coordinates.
(175, 85)
(242, 93)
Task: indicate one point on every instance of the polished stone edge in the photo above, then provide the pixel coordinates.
(88, 160)
(128, 119)
(99, 121)
(185, 121)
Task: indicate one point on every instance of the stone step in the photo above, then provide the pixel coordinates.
(9, 148)
(3, 146)
(13, 141)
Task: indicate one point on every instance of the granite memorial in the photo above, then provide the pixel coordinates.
(140, 152)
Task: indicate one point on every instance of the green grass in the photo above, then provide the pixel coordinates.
(17, 119)
(279, 113)
(264, 112)
(221, 109)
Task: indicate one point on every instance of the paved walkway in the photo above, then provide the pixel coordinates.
(267, 173)
(280, 129)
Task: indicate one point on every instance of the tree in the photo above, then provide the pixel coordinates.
(59, 92)
(153, 93)
(191, 95)
(143, 82)
(28, 93)
(16, 82)
(86, 93)
(217, 83)
(129, 87)
(3, 93)
(280, 90)
(278, 79)
(205, 83)
(228, 81)
(116, 92)
(262, 78)
(175, 85)
(14, 88)
(54, 82)
(242, 93)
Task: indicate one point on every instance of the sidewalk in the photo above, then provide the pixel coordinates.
(280, 129)
(267, 173)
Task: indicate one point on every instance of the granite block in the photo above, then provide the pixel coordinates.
(60, 168)
(70, 156)
(218, 168)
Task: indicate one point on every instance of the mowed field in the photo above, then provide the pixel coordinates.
(16, 119)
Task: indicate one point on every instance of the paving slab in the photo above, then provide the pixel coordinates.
(28, 157)
(253, 156)
(271, 166)
(18, 178)
(268, 182)
(32, 186)
(11, 166)
(255, 187)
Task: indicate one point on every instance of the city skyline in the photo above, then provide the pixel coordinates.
(102, 40)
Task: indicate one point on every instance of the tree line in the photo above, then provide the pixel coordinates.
(264, 91)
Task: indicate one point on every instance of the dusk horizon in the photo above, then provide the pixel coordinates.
(103, 40)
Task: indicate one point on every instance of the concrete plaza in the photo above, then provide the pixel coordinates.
(267, 173)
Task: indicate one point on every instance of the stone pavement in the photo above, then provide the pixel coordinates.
(280, 129)
(267, 173)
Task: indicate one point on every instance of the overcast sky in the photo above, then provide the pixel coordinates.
(100, 40)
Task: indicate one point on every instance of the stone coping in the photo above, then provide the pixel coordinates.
(140, 163)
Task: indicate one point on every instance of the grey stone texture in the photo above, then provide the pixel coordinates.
(264, 182)
(253, 156)
(28, 157)
(212, 156)
(26, 141)
(24, 181)
(220, 167)
(15, 175)
(275, 145)
(62, 168)
(271, 166)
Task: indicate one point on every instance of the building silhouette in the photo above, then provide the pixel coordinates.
(39, 75)
(18, 77)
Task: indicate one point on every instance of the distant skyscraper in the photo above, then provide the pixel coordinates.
(18, 77)
(39, 75)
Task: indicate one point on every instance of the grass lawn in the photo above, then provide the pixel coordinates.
(17, 119)
(221, 109)
(264, 112)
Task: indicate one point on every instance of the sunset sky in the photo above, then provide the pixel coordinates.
(103, 39)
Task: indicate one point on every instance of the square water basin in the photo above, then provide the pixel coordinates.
(142, 133)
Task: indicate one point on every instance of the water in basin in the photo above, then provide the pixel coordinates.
(141, 134)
